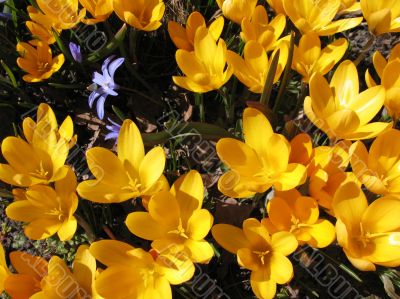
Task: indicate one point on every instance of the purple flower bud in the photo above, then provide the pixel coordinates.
(75, 51)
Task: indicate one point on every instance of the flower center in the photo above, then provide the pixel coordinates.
(43, 66)
(40, 173)
(262, 255)
(180, 231)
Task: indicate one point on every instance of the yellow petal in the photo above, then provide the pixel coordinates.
(255, 125)
(262, 284)
(349, 205)
(84, 268)
(178, 36)
(293, 176)
(97, 191)
(322, 234)
(188, 190)
(25, 263)
(284, 243)
(40, 229)
(368, 103)
(301, 149)
(151, 231)
(238, 156)
(382, 215)
(231, 238)
(152, 167)
(248, 259)
(130, 145)
(256, 233)
(368, 131)
(340, 26)
(280, 214)
(361, 264)
(111, 252)
(200, 251)
(281, 268)
(345, 84)
(199, 224)
(106, 167)
(21, 286)
(67, 229)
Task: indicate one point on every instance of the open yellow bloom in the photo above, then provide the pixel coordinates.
(258, 28)
(340, 110)
(99, 9)
(40, 33)
(183, 37)
(4, 272)
(309, 58)
(46, 210)
(258, 163)
(175, 217)
(381, 16)
(47, 122)
(317, 16)
(126, 176)
(41, 159)
(236, 10)
(369, 234)
(388, 71)
(252, 70)
(277, 6)
(144, 15)
(289, 211)
(378, 169)
(205, 68)
(134, 273)
(327, 173)
(260, 252)
(57, 14)
(38, 62)
(31, 270)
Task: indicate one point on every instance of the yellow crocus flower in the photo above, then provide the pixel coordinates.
(46, 115)
(183, 37)
(128, 175)
(258, 28)
(236, 10)
(144, 15)
(378, 169)
(136, 273)
(57, 14)
(253, 68)
(99, 9)
(263, 254)
(47, 211)
(30, 272)
(175, 217)
(38, 62)
(301, 149)
(317, 16)
(205, 68)
(381, 16)
(340, 110)
(389, 73)
(289, 211)
(258, 163)
(309, 58)
(40, 159)
(277, 6)
(369, 234)
(40, 33)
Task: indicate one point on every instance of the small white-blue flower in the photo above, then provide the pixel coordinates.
(104, 84)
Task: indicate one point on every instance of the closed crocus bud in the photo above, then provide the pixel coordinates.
(381, 16)
(236, 10)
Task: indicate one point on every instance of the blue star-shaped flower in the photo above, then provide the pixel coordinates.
(105, 84)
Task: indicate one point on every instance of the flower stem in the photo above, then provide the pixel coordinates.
(300, 99)
(365, 50)
(86, 227)
(140, 94)
(199, 101)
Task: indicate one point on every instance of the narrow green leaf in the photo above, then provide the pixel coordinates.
(269, 82)
(62, 47)
(110, 47)
(9, 73)
(286, 75)
(118, 113)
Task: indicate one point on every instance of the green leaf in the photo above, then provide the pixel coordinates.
(118, 112)
(62, 47)
(269, 82)
(9, 73)
(110, 47)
